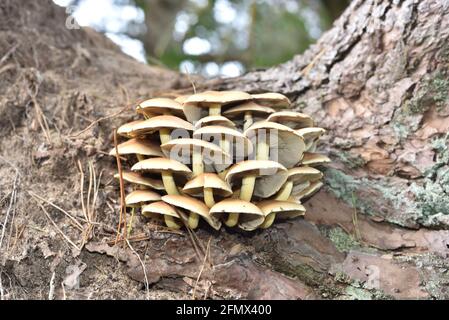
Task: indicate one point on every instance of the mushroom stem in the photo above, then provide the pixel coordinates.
(233, 219)
(140, 157)
(193, 220)
(247, 120)
(171, 223)
(169, 182)
(269, 219)
(209, 197)
(284, 192)
(197, 162)
(130, 226)
(246, 192)
(263, 150)
(215, 109)
(164, 134)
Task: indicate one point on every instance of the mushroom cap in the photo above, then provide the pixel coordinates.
(272, 99)
(137, 197)
(160, 106)
(219, 159)
(193, 205)
(289, 145)
(181, 99)
(282, 209)
(138, 146)
(271, 175)
(159, 208)
(291, 119)
(134, 177)
(314, 159)
(309, 191)
(162, 164)
(235, 137)
(194, 104)
(214, 120)
(127, 129)
(251, 216)
(208, 180)
(161, 122)
(303, 174)
(249, 106)
(310, 133)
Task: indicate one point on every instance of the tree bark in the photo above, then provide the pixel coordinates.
(376, 81)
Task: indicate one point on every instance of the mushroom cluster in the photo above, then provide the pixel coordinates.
(223, 157)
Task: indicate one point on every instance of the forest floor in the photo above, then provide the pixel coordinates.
(62, 94)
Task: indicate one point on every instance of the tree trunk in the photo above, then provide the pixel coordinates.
(377, 81)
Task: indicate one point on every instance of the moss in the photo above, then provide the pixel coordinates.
(350, 160)
(343, 242)
(358, 293)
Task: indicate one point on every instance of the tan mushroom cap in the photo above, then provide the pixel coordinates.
(250, 215)
(138, 146)
(282, 209)
(219, 159)
(159, 208)
(160, 106)
(194, 104)
(162, 164)
(304, 173)
(272, 99)
(134, 177)
(249, 106)
(292, 119)
(289, 145)
(181, 99)
(128, 129)
(208, 180)
(161, 122)
(309, 191)
(193, 205)
(270, 175)
(214, 120)
(138, 197)
(237, 139)
(314, 159)
(310, 133)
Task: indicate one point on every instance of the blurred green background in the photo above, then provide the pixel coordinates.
(209, 37)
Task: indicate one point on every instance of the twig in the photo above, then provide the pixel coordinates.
(202, 268)
(190, 80)
(51, 292)
(77, 224)
(147, 286)
(56, 226)
(12, 201)
(122, 191)
(9, 53)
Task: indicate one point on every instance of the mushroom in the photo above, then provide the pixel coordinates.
(212, 101)
(166, 167)
(313, 188)
(208, 184)
(298, 179)
(160, 106)
(196, 207)
(272, 99)
(139, 197)
(229, 138)
(171, 217)
(314, 159)
(281, 209)
(249, 109)
(251, 215)
(287, 144)
(261, 178)
(291, 119)
(127, 129)
(134, 177)
(311, 136)
(198, 150)
(162, 124)
(214, 120)
(139, 147)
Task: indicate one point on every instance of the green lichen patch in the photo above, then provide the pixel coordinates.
(343, 241)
